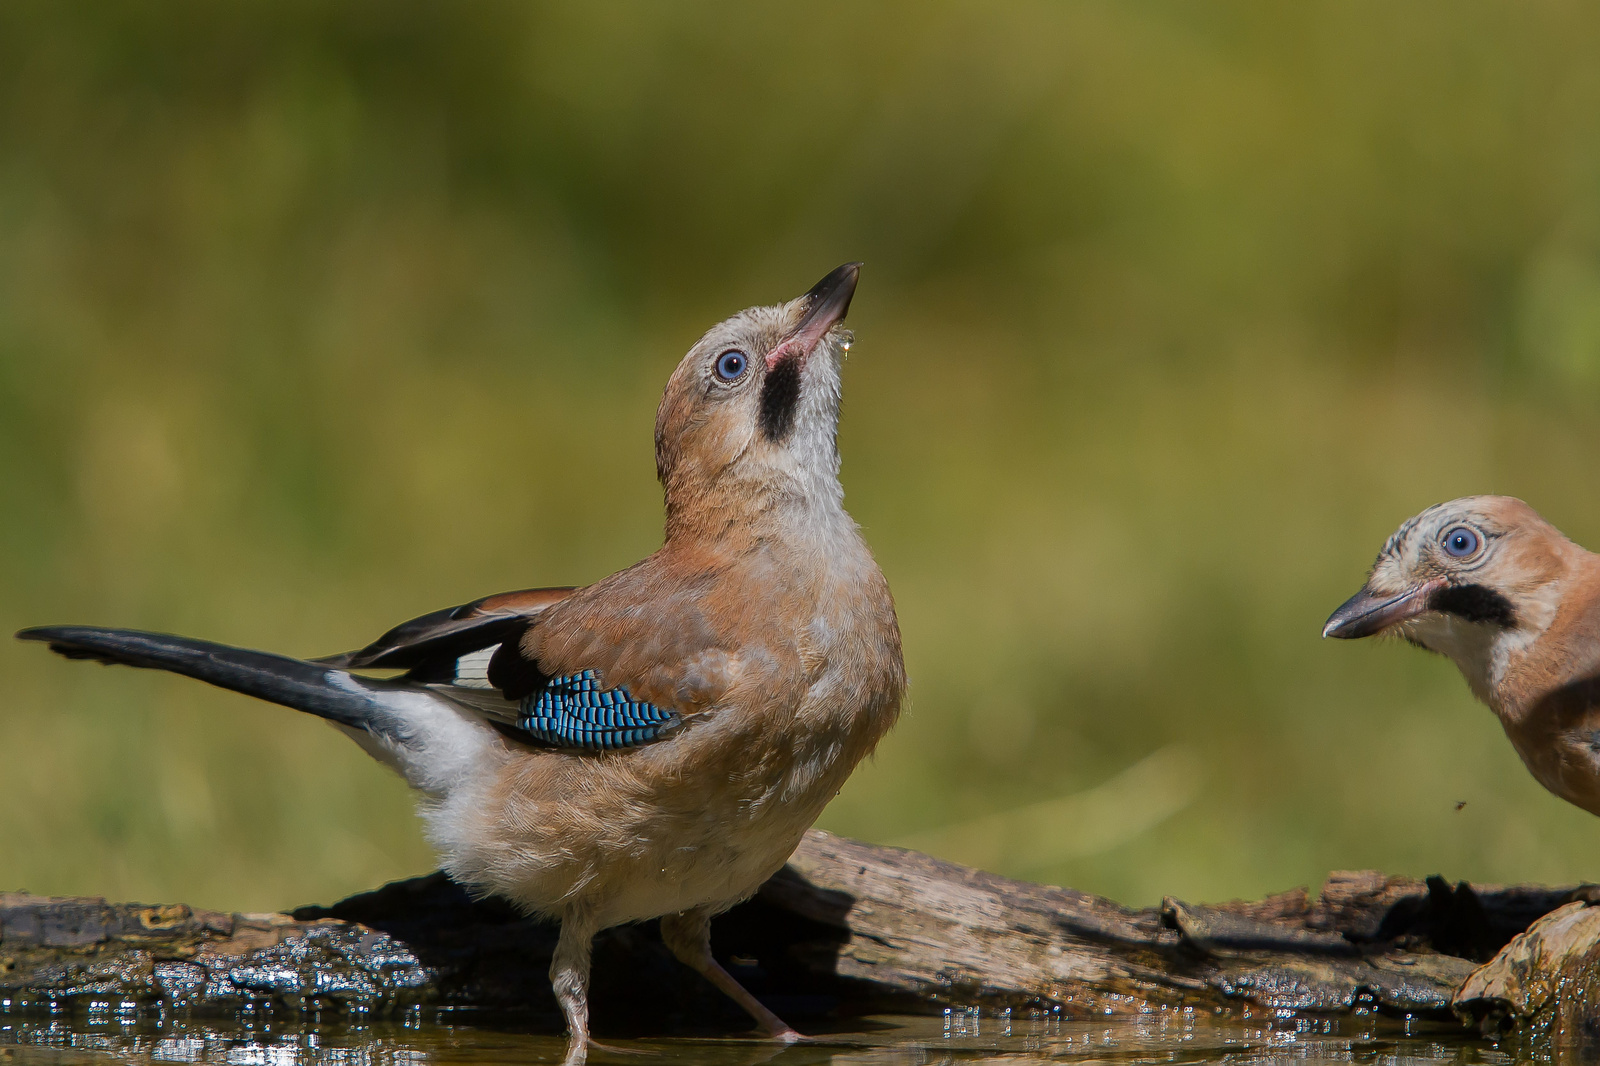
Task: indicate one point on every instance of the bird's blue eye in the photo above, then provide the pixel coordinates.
(1461, 542)
(731, 365)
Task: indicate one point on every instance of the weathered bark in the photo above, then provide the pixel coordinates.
(1545, 983)
(845, 927)
(950, 934)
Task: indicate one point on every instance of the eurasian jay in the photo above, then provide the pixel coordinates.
(1487, 582)
(654, 744)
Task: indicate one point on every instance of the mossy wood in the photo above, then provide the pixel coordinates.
(844, 928)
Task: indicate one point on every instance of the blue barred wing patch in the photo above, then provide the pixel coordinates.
(573, 712)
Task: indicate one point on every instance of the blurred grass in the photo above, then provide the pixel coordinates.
(313, 318)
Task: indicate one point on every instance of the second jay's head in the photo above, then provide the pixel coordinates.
(1463, 578)
(754, 407)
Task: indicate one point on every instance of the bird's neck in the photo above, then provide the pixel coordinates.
(1489, 658)
(1565, 650)
(804, 512)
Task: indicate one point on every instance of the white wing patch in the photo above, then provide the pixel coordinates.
(472, 669)
(470, 688)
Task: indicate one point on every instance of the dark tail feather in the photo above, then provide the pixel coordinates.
(275, 678)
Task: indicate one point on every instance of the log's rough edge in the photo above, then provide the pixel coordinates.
(1545, 983)
(849, 926)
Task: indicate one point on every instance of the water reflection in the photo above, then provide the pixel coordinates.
(112, 1031)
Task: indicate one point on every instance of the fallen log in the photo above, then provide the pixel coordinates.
(845, 928)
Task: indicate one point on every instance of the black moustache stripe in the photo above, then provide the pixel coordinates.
(780, 396)
(1474, 603)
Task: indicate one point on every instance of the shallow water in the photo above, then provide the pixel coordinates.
(107, 1034)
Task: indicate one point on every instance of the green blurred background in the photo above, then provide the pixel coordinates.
(317, 317)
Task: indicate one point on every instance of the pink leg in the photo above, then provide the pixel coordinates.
(688, 936)
(569, 977)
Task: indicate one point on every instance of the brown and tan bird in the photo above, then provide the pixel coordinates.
(1516, 605)
(654, 744)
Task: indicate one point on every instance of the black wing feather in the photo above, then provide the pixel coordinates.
(514, 674)
(442, 636)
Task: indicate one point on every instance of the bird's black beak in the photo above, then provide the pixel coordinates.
(826, 305)
(1369, 612)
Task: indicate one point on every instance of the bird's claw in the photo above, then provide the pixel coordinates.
(612, 1049)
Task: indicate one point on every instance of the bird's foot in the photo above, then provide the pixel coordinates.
(612, 1049)
(578, 1049)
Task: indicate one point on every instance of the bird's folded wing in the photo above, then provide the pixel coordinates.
(575, 711)
(578, 711)
(458, 653)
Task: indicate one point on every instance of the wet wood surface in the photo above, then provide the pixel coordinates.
(845, 928)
